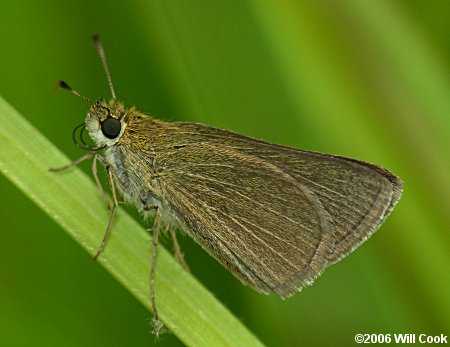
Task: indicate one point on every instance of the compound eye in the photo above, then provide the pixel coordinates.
(111, 127)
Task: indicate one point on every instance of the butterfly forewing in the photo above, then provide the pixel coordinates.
(273, 215)
(272, 224)
(357, 195)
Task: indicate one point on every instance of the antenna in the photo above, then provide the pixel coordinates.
(64, 85)
(101, 53)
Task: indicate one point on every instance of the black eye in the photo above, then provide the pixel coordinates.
(111, 127)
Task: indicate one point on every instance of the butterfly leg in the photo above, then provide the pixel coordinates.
(94, 171)
(179, 256)
(88, 155)
(156, 221)
(99, 185)
(113, 212)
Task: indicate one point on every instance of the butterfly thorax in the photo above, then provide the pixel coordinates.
(121, 132)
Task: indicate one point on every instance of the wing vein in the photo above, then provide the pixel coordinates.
(254, 201)
(214, 216)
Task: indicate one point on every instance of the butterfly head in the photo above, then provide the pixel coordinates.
(105, 122)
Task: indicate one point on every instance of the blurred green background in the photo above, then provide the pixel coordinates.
(366, 79)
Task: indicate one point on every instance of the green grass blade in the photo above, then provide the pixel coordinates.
(73, 201)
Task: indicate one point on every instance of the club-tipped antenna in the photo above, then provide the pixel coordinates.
(64, 85)
(101, 53)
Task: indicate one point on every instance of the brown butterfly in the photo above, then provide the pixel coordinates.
(274, 216)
